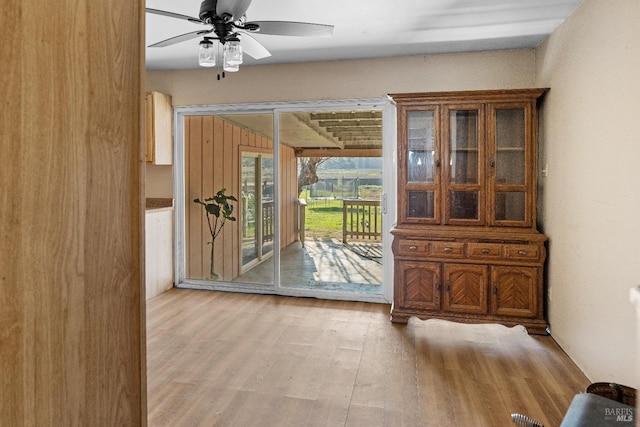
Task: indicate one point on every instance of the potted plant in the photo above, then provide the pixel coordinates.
(218, 210)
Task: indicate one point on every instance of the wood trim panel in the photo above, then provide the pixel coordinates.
(72, 214)
(474, 95)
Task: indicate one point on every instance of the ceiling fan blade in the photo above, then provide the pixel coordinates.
(175, 15)
(236, 8)
(181, 38)
(253, 47)
(299, 29)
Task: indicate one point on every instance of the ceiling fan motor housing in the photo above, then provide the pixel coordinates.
(208, 10)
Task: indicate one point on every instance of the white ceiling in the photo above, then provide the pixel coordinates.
(370, 28)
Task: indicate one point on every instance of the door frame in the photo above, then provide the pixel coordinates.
(388, 202)
(257, 153)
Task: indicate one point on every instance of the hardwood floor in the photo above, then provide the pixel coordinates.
(228, 359)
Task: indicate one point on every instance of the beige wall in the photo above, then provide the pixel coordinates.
(348, 79)
(591, 196)
(159, 181)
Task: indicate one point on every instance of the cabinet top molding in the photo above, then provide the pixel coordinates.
(476, 95)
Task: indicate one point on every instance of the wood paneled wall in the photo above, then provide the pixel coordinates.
(212, 162)
(288, 195)
(71, 213)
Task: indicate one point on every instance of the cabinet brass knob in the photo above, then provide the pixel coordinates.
(413, 248)
(447, 250)
(522, 252)
(485, 251)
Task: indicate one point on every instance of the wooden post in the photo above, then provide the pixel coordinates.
(302, 207)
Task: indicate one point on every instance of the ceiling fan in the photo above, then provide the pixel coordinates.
(227, 23)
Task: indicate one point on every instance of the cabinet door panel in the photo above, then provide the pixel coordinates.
(512, 164)
(421, 148)
(420, 285)
(514, 291)
(419, 165)
(463, 168)
(466, 288)
(159, 125)
(463, 147)
(510, 146)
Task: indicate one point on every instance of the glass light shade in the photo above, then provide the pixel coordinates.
(232, 68)
(207, 54)
(233, 52)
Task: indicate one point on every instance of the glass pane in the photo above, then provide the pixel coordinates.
(420, 204)
(420, 141)
(463, 205)
(510, 146)
(225, 151)
(257, 217)
(463, 163)
(420, 131)
(330, 215)
(509, 206)
(420, 166)
(464, 167)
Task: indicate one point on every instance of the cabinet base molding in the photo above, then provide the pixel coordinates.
(533, 326)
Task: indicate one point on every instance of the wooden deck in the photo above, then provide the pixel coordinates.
(226, 359)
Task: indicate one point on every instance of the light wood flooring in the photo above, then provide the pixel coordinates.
(225, 359)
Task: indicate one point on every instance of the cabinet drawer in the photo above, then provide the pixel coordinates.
(484, 250)
(447, 249)
(522, 252)
(413, 247)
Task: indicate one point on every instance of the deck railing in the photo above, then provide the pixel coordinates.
(267, 221)
(361, 220)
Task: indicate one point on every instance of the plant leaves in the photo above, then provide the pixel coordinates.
(213, 209)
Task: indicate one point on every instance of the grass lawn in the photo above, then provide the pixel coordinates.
(324, 215)
(324, 218)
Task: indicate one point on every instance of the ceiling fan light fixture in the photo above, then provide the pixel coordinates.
(232, 52)
(231, 68)
(207, 54)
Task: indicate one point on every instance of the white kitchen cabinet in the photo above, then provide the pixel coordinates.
(158, 251)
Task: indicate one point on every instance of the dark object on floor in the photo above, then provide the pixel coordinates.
(604, 404)
(619, 393)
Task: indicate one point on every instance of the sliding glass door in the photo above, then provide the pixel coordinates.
(288, 236)
(333, 202)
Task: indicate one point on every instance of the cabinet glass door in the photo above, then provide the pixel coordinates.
(463, 165)
(510, 159)
(421, 164)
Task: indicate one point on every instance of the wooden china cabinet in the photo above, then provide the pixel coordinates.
(465, 246)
